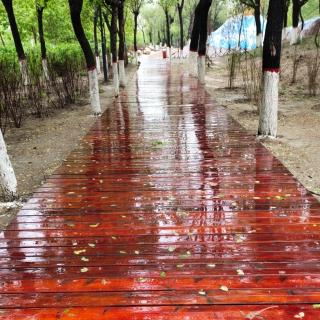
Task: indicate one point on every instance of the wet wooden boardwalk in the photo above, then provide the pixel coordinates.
(167, 209)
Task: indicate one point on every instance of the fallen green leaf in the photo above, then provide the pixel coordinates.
(163, 274)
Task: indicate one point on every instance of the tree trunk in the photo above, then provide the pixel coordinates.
(194, 43)
(286, 9)
(113, 45)
(296, 13)
(8, 181)
(257, 13)
(268, 117)
(122, 73)
(42, 42)
(103, 47)
(203, 40)
(75, 11)
(295, 32)
(180, 9)
(95, 36)
(285, 19)
(168, 37)
(17, 40)
(135, 31)
(2, 41)
(199, 39)
(150, 37)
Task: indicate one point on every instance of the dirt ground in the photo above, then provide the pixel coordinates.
(298, 143)
(40, 146)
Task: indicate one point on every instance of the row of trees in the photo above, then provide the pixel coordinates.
(276, 21)
(175, 25)
(110, 13)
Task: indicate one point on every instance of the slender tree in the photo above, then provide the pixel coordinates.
(286, 9)
(296, 13)
(198, 43)
(180, 5)
(268, 117)
(121, 51)
(135, 7)
(285, 19)
(103, 46)
(75, 11)
(17, 40)
(256, 5)
(166, 6)
(40, 6)
(95, 36)
(112, 8)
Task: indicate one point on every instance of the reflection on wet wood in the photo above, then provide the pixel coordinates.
(167, 209)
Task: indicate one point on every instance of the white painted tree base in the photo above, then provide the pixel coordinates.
(98, 64)
(259, 40)
(115, 78)
(45, 69)
(268, 118)
(295, 36)
(122, 74)
(193, 64)
(8, 181)
(94, 91)
(201, 69)
(24, 71)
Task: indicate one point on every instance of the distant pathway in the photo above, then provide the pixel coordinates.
(167, 209)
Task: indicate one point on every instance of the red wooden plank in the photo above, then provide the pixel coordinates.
(167, 209)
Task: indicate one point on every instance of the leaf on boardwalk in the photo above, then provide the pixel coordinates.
(94, 225)
(92, 245)
(77, 252)
(240, 272)
(84, 269)
(224, 288)
(211, 265)
(202, 292)
(84, 259)
(185, 255)
(71, 225)
(163, 274)
(316, 306)
(300, 315)
(171, 249)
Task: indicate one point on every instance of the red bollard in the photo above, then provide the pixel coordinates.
(164, 54)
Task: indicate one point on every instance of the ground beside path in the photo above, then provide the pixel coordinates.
(298, 143)
(166, 209)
